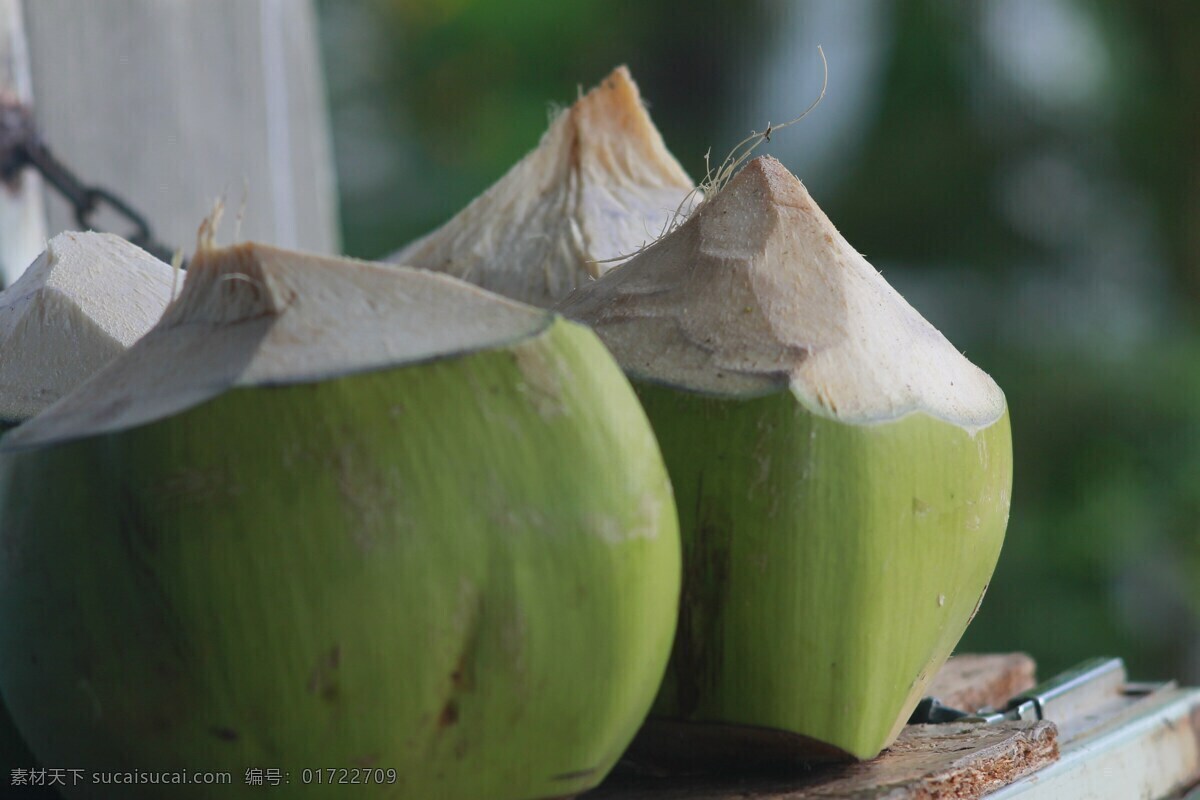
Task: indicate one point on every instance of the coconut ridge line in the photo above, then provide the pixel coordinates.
(758, 290)
(785, 384)
(254, 315)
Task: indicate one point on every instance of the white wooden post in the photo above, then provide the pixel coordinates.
(22, 214)
(171, 104)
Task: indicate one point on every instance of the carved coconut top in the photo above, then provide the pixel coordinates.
(757, 291)
(85, 299)
(599, 185)
(254, 315)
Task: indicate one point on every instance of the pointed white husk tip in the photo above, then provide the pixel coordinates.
(599, 185)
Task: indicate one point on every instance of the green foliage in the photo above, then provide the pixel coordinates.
(1102, 555)
(475, 82)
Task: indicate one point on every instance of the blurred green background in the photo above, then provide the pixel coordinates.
(1026, 173)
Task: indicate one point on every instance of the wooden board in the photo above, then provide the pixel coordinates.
(173, 103)
(927, 761)
(1147, 748)
(970, 682)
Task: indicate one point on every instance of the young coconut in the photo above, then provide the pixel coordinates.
(86, 299)
(335, 514)
(599, 185)
(842, 473)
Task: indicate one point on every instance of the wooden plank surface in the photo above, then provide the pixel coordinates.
(926, 762)
(1149, 749)
(173, 103)
(970, 682)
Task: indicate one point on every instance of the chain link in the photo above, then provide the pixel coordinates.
(21, 146)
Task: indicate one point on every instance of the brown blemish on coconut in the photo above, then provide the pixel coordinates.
(322, 681)
(462, 677)
(449, 715)
(224, 734)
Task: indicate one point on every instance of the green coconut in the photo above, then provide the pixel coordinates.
(842, 474)
(599, 186)
(330, 514)
(78, 306)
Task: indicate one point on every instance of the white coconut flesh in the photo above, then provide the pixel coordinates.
(83, 302)
(253, 315)
(758, 290)
(599, 186)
